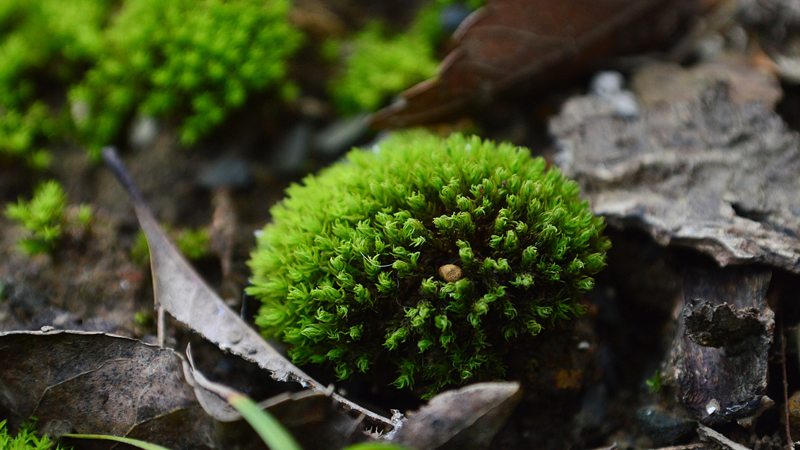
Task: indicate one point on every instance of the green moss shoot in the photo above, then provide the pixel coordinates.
(349, 269)
(46, 217)
(42, 216)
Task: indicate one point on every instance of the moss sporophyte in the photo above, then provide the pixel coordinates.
(428, 258)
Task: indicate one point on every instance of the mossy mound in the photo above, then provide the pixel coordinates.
(430, 256)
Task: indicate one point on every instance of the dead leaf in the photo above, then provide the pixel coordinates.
(311, 416)
(95, 383)
(512, 44)
(180, 291)
(463, 419)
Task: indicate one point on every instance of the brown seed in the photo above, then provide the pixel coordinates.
(450, 273)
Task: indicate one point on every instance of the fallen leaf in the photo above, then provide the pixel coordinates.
(181, 292)
(312, 416)
(510, 45)
(463, 419)
(95, 383)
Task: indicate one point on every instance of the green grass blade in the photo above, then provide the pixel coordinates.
(134, 442)
(271, 431)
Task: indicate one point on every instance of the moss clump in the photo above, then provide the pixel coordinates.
(353, 270)
(190, 60)
(382, 64)
(46, 216)
(43, 43)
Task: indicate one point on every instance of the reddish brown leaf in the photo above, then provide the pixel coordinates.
(511, 43)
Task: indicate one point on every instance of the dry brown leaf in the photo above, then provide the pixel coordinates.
(95, 383)
(181, 292)
(463, 419)
(518, 44)
(310, 416)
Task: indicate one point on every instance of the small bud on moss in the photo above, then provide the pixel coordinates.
(369, 245)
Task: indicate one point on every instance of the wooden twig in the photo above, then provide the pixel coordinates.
(789, 441)
(713, 435)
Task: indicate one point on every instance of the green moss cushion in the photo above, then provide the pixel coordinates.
(428, 256)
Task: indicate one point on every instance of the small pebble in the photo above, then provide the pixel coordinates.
(452, 16)
(662, 428)
(144, 132)
(593, 409)
(291, 154)
(341, 135)
(608, 85)
(230, 171)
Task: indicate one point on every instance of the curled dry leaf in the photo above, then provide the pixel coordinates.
(463, 419)
(181, 292)
(522, 44)
(312, 417)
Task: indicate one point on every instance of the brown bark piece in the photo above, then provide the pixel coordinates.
(725, 308)
(713, 169)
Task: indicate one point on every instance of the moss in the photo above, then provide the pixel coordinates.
(46, 216)
(382, 64)
(25, 439)
(354, 269)
(42, 43)
(42, 216)
(193, 61)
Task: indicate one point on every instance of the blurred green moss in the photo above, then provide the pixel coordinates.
(43, 43)
(193, 61)
(189, 62)
(381, 64)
